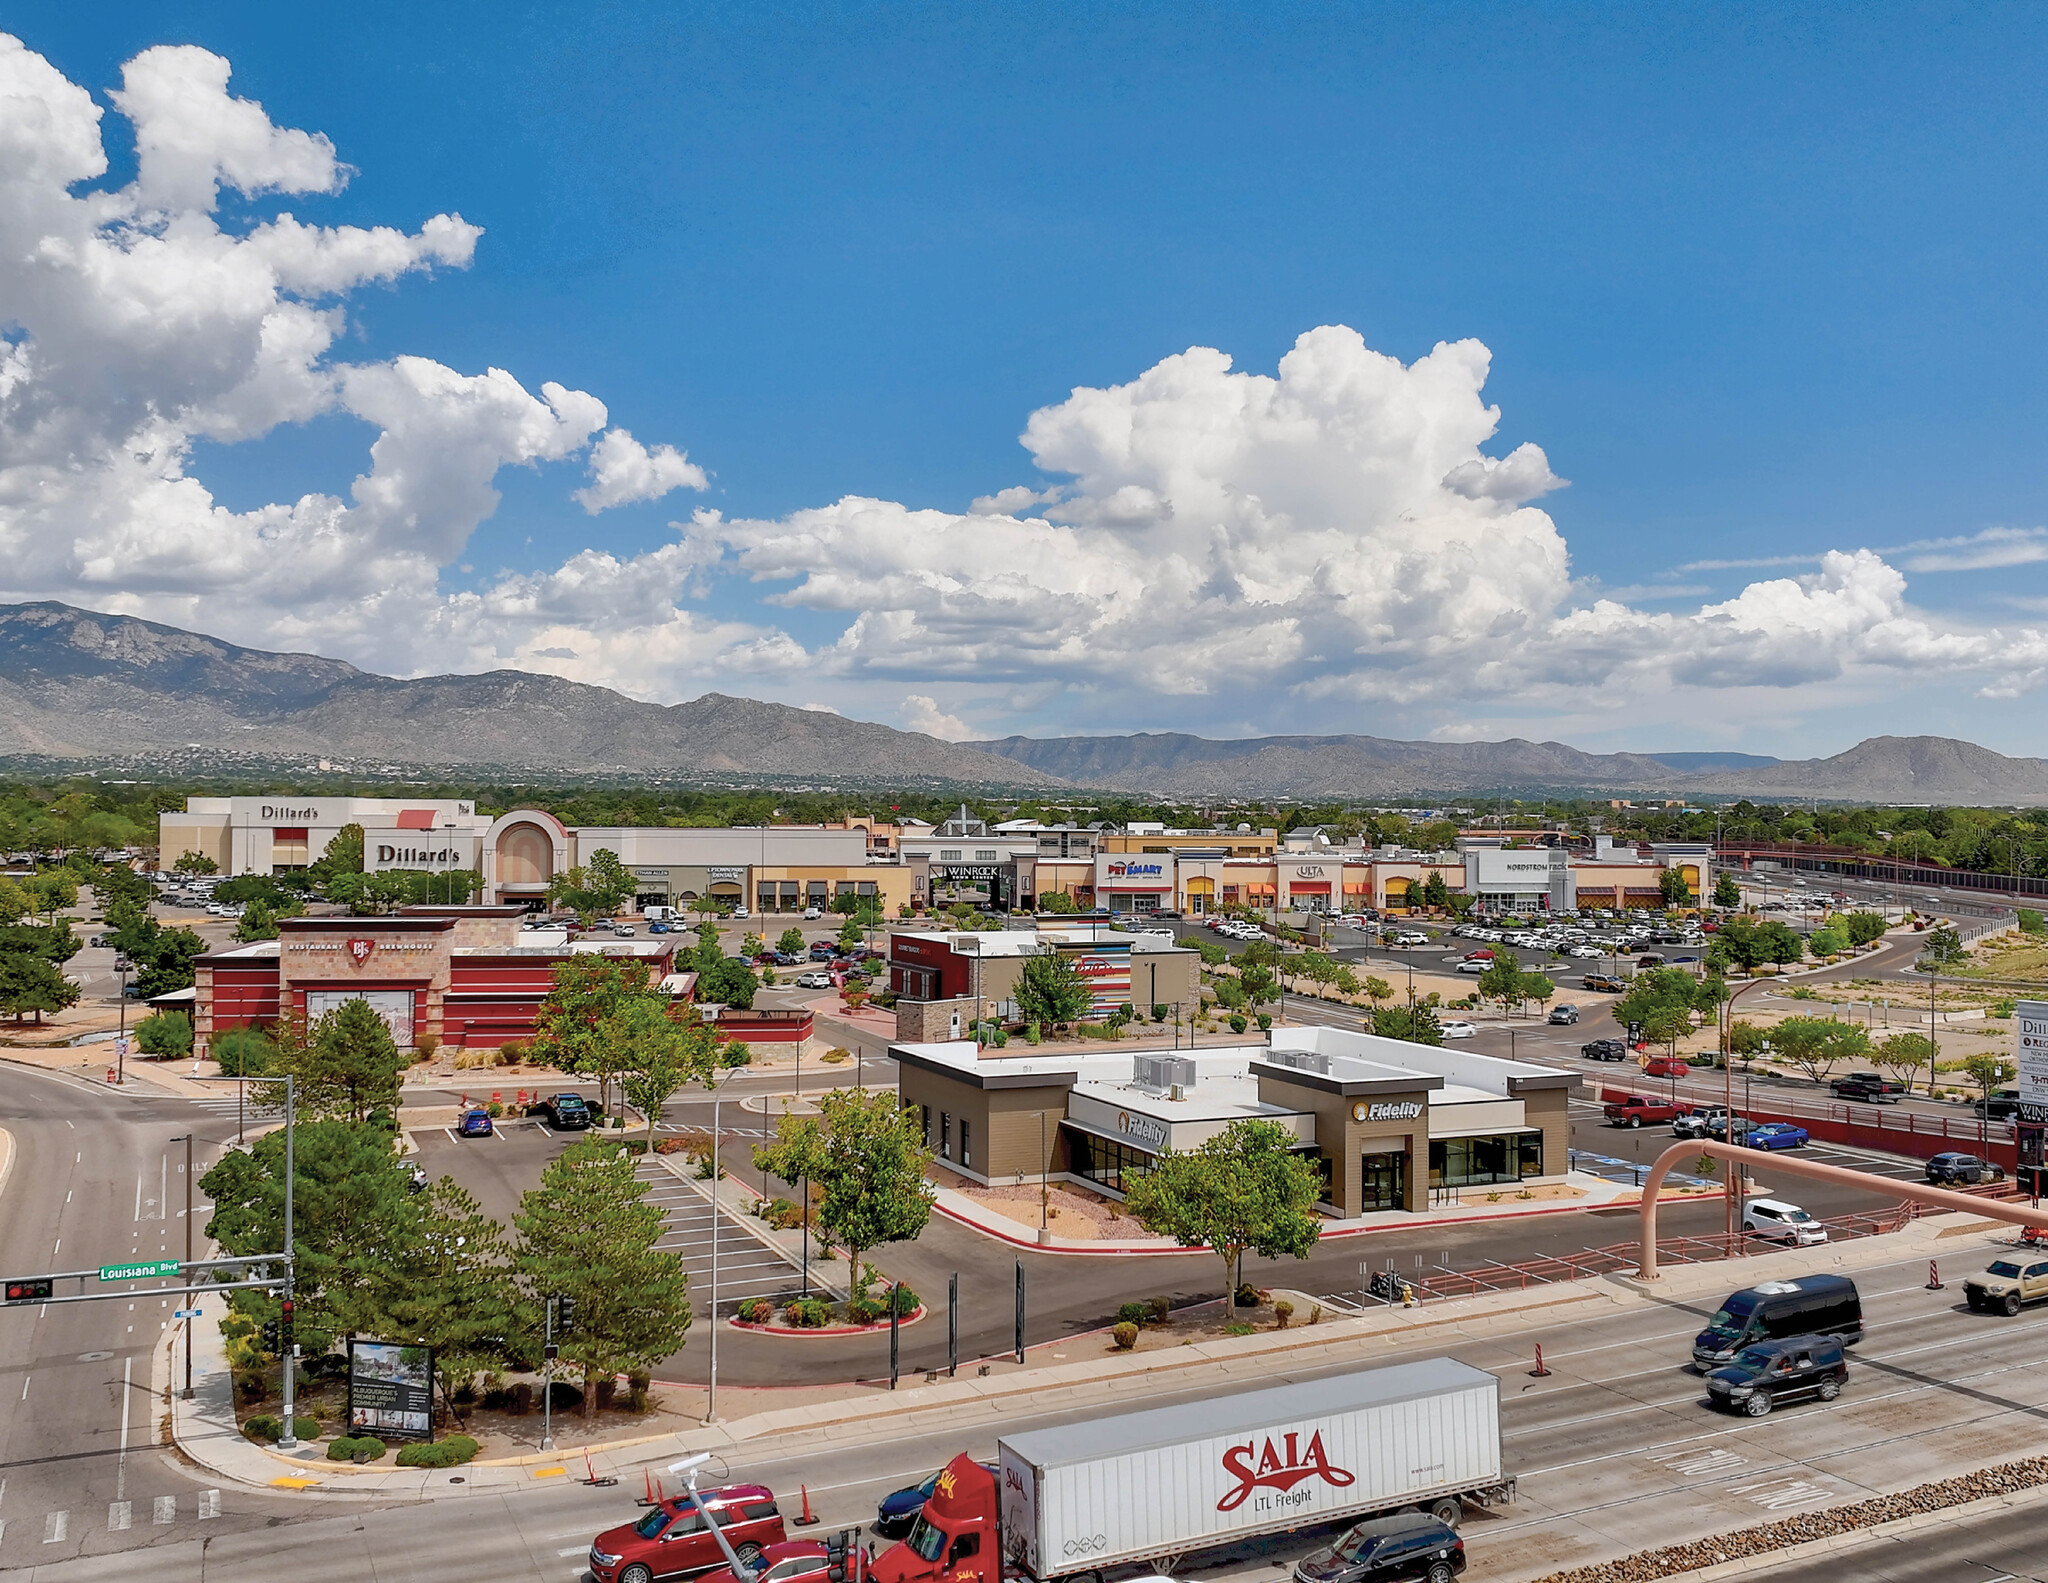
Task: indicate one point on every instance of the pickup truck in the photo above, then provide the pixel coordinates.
(1869, 1087)
(1605, 981)
(1699, 1122)
(1637, 1111)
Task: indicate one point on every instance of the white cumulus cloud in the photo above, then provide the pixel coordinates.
(622, 471)
(921, 712)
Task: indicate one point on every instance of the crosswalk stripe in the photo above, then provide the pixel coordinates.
(166, 1510)
(209, 1504)
(55, 1524)
(119, 1515)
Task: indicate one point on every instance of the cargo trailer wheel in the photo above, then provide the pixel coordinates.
(1757, 1404)
(1440, 1572)
(1449, 1511)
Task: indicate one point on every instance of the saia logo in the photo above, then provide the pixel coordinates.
(361, 950)
(1279, 1467)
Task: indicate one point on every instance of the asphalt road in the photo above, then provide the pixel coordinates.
(96, 1181)
(1615, 1450)
(1994, 1546)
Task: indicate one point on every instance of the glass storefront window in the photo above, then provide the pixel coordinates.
(1110, 1166)
(1483, 1162)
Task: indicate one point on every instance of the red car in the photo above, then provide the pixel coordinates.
(670, 1540)
(1664, 1066)
(798, 1561)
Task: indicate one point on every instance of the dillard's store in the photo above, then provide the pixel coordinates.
(1384, 1122)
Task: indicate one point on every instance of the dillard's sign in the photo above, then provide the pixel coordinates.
(418, 854)
(309, 815)
(1279, 1467)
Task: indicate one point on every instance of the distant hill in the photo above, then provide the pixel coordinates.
(78, 685)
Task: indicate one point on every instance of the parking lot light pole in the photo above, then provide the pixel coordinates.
(188, 1258)
(717, 1212)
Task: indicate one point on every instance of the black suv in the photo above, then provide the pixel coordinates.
(1407, 1545)
(1604, 1050)
(566, 1112)
(1965, 1168)
(1867, 1086)
(1760, 1376)
(2001, 1106)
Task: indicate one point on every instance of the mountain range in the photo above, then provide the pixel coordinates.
(78, 687)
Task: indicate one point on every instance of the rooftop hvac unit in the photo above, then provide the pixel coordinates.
(1152, 1071)
(1301, 1060)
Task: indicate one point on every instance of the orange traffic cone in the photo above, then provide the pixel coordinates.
(809, 1517)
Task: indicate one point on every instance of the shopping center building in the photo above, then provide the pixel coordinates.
(947, 982)
(281, 834)
(1384, 1122)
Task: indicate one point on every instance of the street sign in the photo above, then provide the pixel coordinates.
(2032, 1016)
(184, 1313)
(140, 1272)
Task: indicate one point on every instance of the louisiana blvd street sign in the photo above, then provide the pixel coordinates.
(139, 1272)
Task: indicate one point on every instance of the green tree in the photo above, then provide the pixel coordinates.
(865, 1154)
(1727, 891)
(791, 941)
(257, 922)
(587, 1232)
(343, 854)
(243, 1052)
(194, 863)
(1502, 980)
(52, 891)
(1829, 941)
(450, 1283)
(1780, 943)
(660, 1054)
(1943, 950)
(1905, 1056)
(1417, 1024)
(589, 992)
(728, 983)
(1244, 1190)
(348, 1215)
(1671, 884)
(1813, 1045)
(1051, 992)
(1864, 928)
(1259, 985)
(164, 1034)
(118, 882)
(707, 953)
(1666, 1026)
(1661, 988)
(1745, 1038)
(346, 1064)
(1989, 1072)
(15, 903)
(1435, 893)
(593, 890)
(1058, 902)
(31, 984)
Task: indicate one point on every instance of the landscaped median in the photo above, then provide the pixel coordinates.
(815, 1316)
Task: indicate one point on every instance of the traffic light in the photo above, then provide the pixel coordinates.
(838, 1548)
(273, 1339)
(284, 1330)
(565, 1313)
(35, 1289)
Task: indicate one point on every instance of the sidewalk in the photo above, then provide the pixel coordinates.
(204, 1427)
(735, 1197)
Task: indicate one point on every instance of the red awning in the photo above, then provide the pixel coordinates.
(1313, 887)
(415, 819)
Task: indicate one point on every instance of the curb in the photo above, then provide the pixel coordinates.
(6, 1157)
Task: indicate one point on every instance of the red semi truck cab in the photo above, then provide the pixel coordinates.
(957, 1538)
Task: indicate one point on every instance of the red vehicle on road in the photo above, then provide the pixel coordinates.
(671, 1540)
(1638, 1110)
(797, 1561)
(1664, 1066)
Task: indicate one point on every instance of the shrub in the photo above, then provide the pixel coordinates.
(781, 1214)
(1282, 1312)
(1247, 1295)
(522, 1399)
(1265, 1021)
(836, 1056)
(866, 1310)
(449, 1453)
(494, 1110)
(498, 1399)
(1031, 1034)
(1130, 1313)
(755, 1311)
(514, 1051)
(1237, 1022)
(263, 1427)
(906, 1302)
(251, 1386)
(1159, 1011)
(344, 1448)
(812, 1313)
(1239, 1329)
(1158, 1309)
(425, 1043)
(564, 1396)
(1126, 1335)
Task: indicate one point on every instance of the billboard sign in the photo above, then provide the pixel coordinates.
(390, 1390)
(2032, 1017)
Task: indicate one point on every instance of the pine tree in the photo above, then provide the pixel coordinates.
(587, 1233)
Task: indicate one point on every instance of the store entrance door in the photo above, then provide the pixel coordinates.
(1383, 1181)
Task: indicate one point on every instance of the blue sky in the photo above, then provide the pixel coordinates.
(1759, 286)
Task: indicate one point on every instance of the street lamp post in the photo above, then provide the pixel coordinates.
(717, 1213)
(187, 1140)
(121, 965)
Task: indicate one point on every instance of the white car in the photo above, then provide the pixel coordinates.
(814, 981)
(1411, 938)
(1161, 932)
(1587, 953)
(1479, 966)
(814, 912)
(1459, 1030)
(1778, 1221)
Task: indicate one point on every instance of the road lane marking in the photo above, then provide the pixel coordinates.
(55, 1524)
(24, 1387)
(165, 1510)
(574, 1550)
(209, 1504)
(119, 1515)
(121, 1465)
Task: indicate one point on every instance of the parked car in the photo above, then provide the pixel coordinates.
(1731, 1129)
(1761, 1376)
(565, 1112)
(814, 981)
(1867, 1086)
(1455, 1029)
(657, 928)
(822, 952)
(1696, 1123)
(1638, 1110)
(813, 913)
(1778, 1221)
(1604, 1050)
(1777, 1135)
(1406, 1545)
(1483, 954)
(475, 1123)
(1952, 1168)
(1665, 1066)
(671, 1539)
(2006, 1284)
(897, 1514)
(1473, 965)
(1563, 1016)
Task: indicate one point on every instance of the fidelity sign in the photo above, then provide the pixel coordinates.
(1393, 1110)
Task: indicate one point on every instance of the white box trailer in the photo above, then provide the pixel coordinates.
(1156, 1485)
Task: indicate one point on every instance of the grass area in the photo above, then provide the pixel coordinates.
(2008, 955)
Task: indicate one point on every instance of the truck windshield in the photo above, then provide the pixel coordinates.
(1732, 1318)
(2006, 1268)
(926, 1541)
